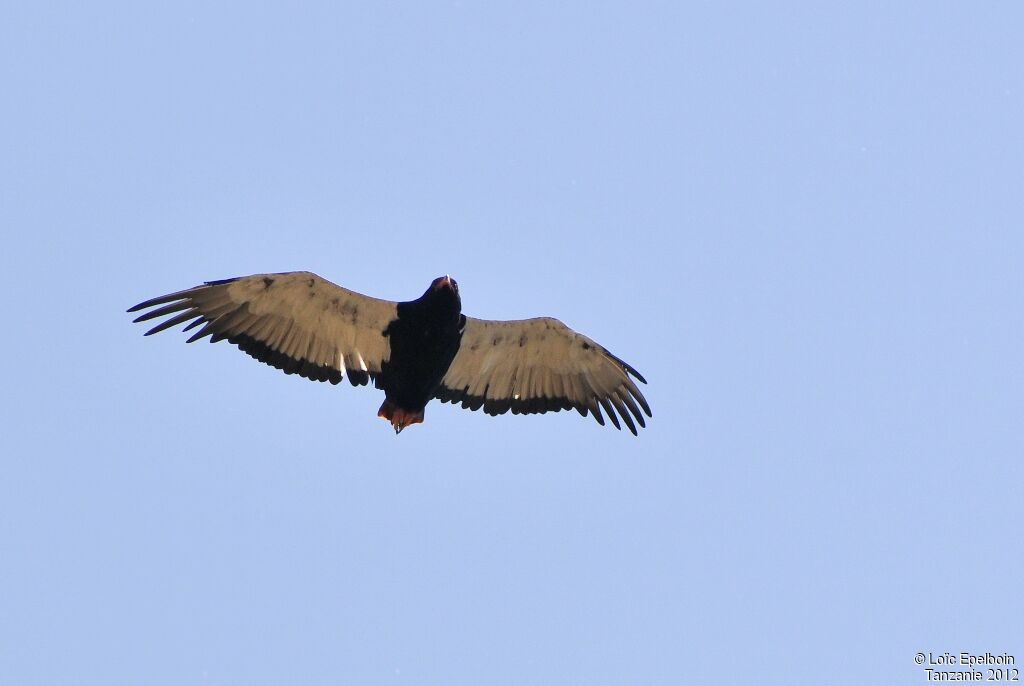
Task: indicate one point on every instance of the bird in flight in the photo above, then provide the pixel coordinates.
(414, 351)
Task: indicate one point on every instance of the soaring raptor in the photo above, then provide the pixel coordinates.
(414, 351)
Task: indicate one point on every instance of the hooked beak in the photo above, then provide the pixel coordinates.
(443, 282)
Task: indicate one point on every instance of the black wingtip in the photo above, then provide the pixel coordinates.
(629, 368)
(153, 302)
(626, 366)
(612, 417)
(202, 333)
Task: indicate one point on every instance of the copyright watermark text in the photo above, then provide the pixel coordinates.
(966, 666)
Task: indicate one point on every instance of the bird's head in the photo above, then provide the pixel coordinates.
(444, 282)
(443, 297)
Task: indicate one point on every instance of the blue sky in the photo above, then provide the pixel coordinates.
(802, 224)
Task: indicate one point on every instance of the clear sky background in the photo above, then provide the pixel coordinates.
(803, 223)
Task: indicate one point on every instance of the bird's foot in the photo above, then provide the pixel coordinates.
(399, 417)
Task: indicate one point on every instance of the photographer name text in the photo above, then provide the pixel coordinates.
(980, 666)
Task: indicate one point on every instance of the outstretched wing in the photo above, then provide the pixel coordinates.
(296, 321)
(540, 365)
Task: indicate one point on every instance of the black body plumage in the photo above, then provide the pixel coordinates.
(424, 339)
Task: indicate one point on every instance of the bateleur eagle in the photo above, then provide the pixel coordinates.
(414, 351)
